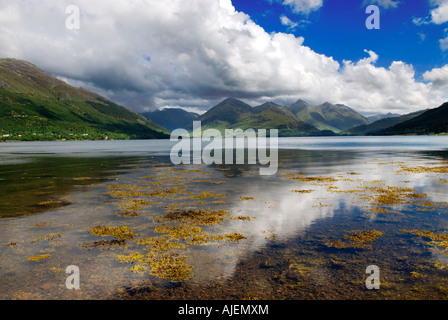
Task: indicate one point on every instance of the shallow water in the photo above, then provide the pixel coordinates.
(225, 232)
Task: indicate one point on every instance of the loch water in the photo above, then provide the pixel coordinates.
(139, 227)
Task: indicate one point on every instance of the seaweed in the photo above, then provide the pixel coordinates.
(357, 240)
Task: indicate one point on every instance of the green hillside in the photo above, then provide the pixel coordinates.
(379, 125)
(235, 114)
(327, 116)
(37, 106)
(172, 118)
(269, 116)
(433, 121)
(226, 112)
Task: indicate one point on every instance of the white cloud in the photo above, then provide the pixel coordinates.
(304, 6)
(438, 76)
(421, 21)
(288, 22)
(439, 14)
(387, 88)
(386, 4)
(194, 53)
(444, 44)
(227, 4)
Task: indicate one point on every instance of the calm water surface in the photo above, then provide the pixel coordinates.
(139, 227)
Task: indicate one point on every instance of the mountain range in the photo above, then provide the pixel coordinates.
(232, 114)
(37, 106)
(381, 124)
(303, 119)
(171, 118)
(433, 121)
(298, 119)
(327, 116)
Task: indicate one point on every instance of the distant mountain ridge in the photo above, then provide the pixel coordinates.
(382, 124)
(377, 117)
(297, 119)
(36, 106)
(433, 121)
(327, 116)
(171, 118)
(235, 114)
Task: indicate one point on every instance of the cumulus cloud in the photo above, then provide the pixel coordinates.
(444, 44)
(437, 15)
(438, 76)
(288, 22)
(386, 4)
(194, 53)
(304, 6)
(391, 88)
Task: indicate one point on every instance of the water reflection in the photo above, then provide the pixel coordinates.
(316, 197)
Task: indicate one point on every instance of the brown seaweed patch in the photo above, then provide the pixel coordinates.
(303, 178)
(184, 225)
(210, 181)
(49, 237)
(242, 218)
(53, 203)
(417, 275)
(390, 195)
(120, 233)
(127, 214)
(303, 191)
(436, 239)
(356, 240)
(162, 260)
(103, 244)
(271, 236)
(134, 204)
(200, 216)
(43, 225)
(424, 169)
(39, 257)
(322, 205)
(205, 195)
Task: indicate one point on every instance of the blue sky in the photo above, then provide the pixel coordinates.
(337, 29)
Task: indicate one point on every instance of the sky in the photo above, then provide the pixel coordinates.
(153, 54)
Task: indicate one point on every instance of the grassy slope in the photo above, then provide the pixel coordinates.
(171, 118)
(37, 106)
(234, 114)
(380, 124)
(434, 121)
(327, 116)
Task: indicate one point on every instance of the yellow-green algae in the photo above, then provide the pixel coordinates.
(39, 257)
(120, 233)
(182, 227)
(437, 239)
(357, 240)
(381, 199)
(163, 255)
(49, 237)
